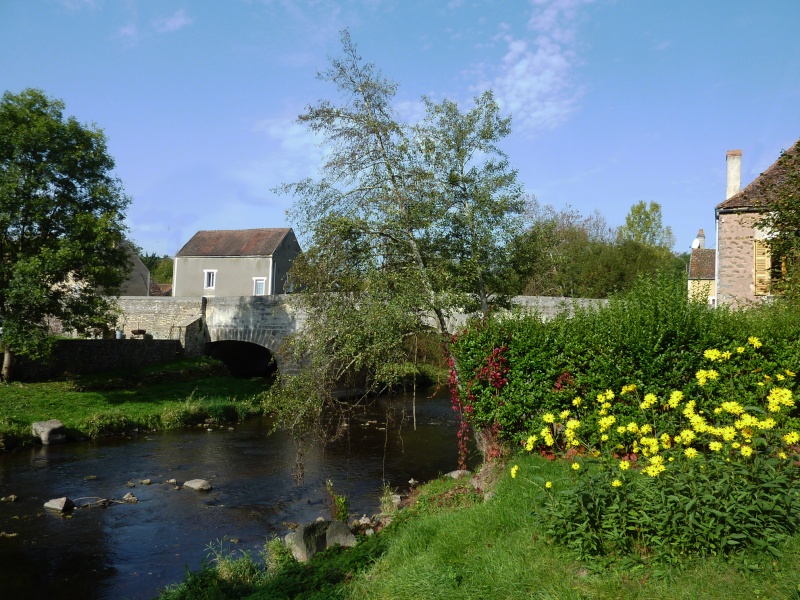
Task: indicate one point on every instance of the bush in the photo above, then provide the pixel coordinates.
(708, 469)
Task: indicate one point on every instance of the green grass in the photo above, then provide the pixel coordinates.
(450, 544)
(498, 549)
(179, 394)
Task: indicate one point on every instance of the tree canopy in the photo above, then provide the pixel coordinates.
(407, 222)
(61, 224)
(643, 225)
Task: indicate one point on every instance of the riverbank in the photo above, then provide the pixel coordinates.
(180, 394)
(450, 543)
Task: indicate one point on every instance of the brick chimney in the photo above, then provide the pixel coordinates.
(734, 160)
(701, 240)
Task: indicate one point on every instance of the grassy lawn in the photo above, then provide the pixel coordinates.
(178, 394)
(450, 544)
(499, 549)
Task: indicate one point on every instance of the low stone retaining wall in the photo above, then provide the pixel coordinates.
(77, 357)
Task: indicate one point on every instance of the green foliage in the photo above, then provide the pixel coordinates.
(783, 222)
(565, 254)
(160, 267)
(61, 224)
(707, 470)
(339, 507)
(643, 225)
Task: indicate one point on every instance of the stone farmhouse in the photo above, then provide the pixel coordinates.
(744, 267)
(238, 262)
(702, 274)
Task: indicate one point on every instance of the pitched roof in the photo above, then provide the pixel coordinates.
(763, 188)
(234, 242)
(702, 263)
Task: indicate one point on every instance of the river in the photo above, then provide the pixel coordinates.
(134, 550)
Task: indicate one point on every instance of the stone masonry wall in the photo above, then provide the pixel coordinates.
(75, 357)
(166, 318)
(736, 280)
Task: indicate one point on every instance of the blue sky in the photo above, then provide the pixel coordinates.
(613, 101)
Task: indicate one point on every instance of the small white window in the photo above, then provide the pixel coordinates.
(210, 279)
(259, 283)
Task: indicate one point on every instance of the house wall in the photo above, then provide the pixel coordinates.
(702, 289)
(284, 257)
(736, 260)
(138, 280)
(234, 275)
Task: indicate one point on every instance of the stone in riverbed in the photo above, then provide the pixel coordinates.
(60, 504)
(200, 485)
(50, 432)
(459, 474)
(307, 540)
(130, 498)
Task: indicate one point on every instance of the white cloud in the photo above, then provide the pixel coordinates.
(293, 154)
(534, 78)
(130, 32)
(169, 24)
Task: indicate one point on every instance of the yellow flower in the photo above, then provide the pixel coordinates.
(645, 429)
(577, 401)
(779, 397)
(735, 444)
(609, 395)
(514, 471)
(649, 400)
(633, 427)
(624, 465)
(732, 407)
(654, 470)
(675, 399)
(628, 388)
(616, 483)
(687, 435)
(782, 455)
(576, 466)
(666, 442)
(791, 438)
(788, 373)
(604, 437)
(548, 418)
(606, 422)
(712, 354)
(573, 424)
(746, 451)
(564, 414)
(726, 355)
(690, 453)
(779, 377)
(548, 485)
(715, 446)
(754, 342)
(530, 443)
(740, 349)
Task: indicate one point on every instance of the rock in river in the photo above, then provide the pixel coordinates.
(50, 432)
(60, 504)
(201, 485)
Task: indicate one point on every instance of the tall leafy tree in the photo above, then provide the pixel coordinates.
(644, 225)
(61, 224)
(405, 223)
(479, 204)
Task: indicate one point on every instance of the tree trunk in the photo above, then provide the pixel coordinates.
(5, 374)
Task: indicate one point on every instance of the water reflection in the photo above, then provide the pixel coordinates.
(134, 550)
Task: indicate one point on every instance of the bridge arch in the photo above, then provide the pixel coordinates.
(242, 358)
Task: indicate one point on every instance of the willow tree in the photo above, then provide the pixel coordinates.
(403, 226)
(61, 225)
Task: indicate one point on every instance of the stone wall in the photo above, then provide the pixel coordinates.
(74, 357)
(736, 261)
(166, 318)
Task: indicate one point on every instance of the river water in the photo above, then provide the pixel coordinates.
(134, 550)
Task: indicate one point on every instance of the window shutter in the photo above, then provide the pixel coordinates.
(762, 268)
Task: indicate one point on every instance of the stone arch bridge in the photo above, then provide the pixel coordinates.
(245, 329)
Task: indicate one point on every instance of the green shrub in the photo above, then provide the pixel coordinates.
(708, 469)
